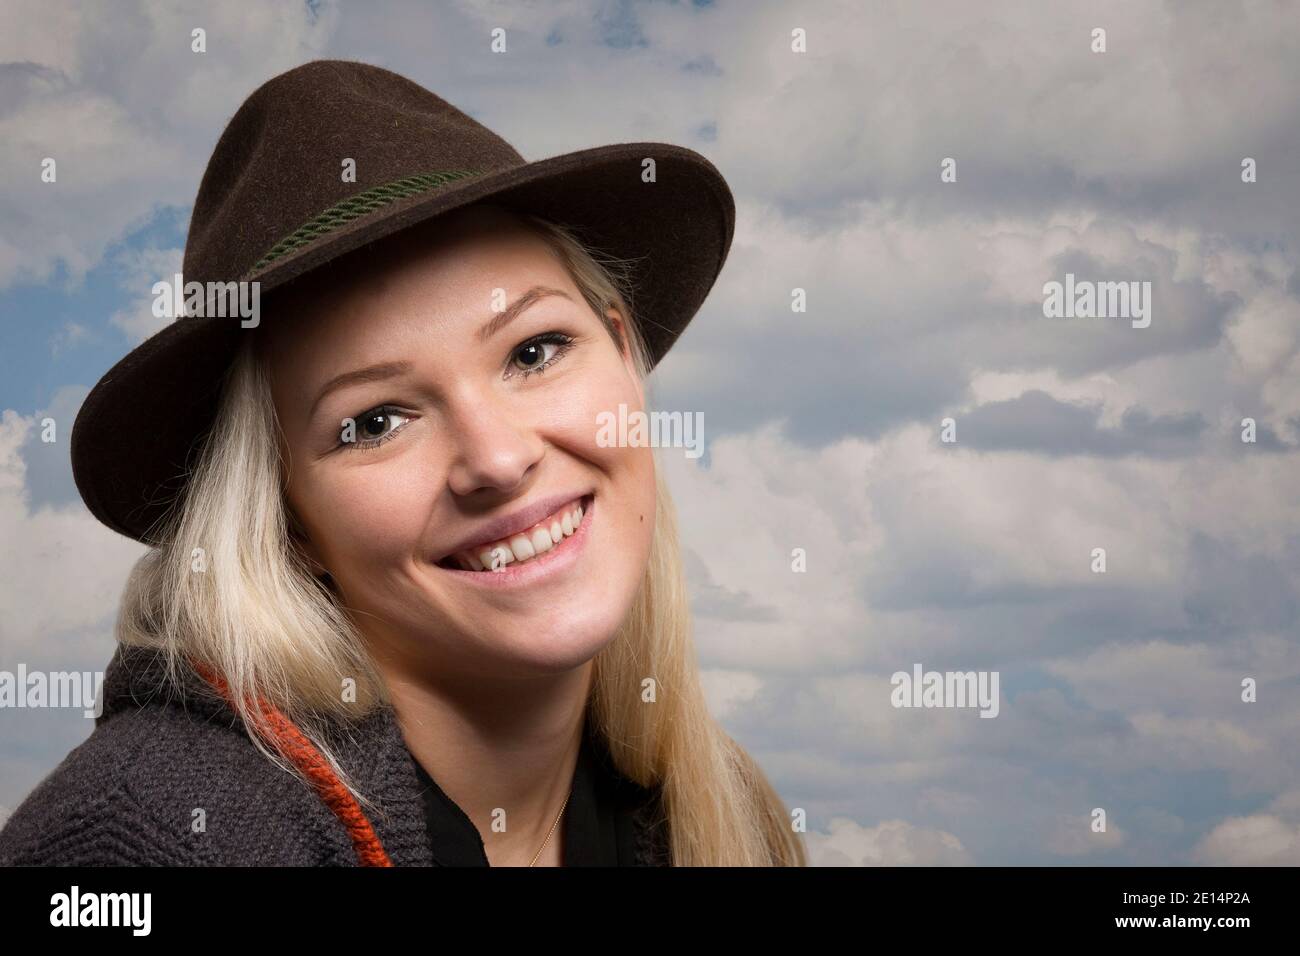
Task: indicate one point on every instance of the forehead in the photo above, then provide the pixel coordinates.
(448, 268)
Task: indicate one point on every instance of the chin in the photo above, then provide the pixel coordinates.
(552, 643)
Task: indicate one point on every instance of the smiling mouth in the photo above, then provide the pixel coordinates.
(546, 535)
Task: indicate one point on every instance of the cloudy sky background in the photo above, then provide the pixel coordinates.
(1120, 690)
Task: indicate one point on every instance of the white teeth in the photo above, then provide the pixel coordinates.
(496, 556)
(523, 546)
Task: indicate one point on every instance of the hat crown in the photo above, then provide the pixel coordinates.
(280, 161)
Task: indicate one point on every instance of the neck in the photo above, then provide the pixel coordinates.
(497, 745)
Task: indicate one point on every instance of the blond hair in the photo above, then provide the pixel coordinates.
(276, 633)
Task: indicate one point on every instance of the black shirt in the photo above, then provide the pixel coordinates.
(598, 826)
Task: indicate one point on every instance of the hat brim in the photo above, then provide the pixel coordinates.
(135, 435)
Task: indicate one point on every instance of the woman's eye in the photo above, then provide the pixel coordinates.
(372, 428)
(540, 353)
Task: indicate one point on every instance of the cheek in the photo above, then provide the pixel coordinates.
(629, 470)
(642, 492)
(364, 517)
(575, 412)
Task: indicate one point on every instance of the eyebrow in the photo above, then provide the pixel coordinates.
(386, 370)
(513, 311)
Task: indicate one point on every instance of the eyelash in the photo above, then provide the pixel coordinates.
(563, 341)
(546, 338)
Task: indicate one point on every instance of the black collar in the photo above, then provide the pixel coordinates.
(598, 824)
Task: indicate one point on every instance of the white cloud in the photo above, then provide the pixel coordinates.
(890, 843)
(1268, 838)
(890, 513)
(127, 111)
(1258, 840)
(61, 572)
(1073, 835)
(727, 690)
(137, 273)
(68, 337)
(1137, 675)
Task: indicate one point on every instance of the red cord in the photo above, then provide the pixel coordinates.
(298, 749)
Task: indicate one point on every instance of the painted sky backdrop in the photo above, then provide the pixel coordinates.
(924, 302)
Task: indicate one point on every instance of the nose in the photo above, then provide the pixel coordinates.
(493, 446)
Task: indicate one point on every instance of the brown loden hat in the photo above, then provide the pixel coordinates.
(273, 206)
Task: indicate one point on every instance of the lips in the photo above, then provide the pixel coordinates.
(509, 526)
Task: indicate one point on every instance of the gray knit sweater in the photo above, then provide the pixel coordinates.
(158, 761)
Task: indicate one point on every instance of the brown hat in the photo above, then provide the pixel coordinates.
(274, 206)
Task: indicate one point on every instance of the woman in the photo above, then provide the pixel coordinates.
(405, 608)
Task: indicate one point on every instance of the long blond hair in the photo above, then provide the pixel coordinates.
(276, 633)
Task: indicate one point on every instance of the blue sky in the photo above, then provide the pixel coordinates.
(33, 366)
(925, 298)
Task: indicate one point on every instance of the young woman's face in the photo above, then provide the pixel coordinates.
(466, 416)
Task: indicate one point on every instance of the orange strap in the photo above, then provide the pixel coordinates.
(300, 751)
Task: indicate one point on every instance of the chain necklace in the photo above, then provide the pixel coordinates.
(552, 830)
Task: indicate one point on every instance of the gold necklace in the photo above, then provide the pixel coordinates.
(552, 830)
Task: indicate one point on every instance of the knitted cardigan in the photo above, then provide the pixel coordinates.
(170, 777)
